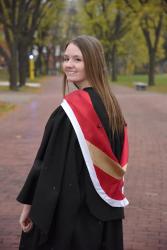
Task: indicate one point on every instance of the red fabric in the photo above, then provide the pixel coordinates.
(94, 132)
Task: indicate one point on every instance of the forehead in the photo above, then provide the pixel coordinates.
(72, 50)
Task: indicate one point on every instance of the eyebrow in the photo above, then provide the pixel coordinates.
(73, 55)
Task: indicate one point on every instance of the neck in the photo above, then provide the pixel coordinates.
(83, 85)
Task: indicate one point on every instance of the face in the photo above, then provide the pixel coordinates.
(73, 65)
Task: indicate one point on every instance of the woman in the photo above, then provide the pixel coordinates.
(73, 196)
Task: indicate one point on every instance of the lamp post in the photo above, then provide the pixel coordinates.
(31, 67)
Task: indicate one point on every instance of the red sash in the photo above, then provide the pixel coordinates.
(106, 172)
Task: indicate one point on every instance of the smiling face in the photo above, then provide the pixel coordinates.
(74, 67)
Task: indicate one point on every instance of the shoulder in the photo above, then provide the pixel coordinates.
(55, 117)
(57, 112)
(76, 94)
(77, 98)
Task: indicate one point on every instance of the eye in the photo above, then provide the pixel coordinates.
(78, 59)
(65, 58)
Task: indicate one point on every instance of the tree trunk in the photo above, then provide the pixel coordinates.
(47, 63)
(151, 73)
(54, 68)
(152, 46)
(13, 69)
(114, 63)
(23, 65)
(39, 65)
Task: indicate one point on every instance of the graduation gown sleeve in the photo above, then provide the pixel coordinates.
(55, 179)
(27, 192)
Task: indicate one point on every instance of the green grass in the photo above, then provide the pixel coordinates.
(4, 75)
(129, 80)
(4, 88)
(6, 107)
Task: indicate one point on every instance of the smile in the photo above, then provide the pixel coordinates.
(71, 72)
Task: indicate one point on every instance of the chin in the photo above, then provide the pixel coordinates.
(71, 80)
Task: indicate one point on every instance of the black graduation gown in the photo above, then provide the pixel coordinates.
(67, 212)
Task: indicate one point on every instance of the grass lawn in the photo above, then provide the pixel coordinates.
(3, 75)
(6, 107)
(129, 80)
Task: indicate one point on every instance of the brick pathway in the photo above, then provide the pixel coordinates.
(145, 226)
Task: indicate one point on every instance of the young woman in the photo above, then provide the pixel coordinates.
(73, 196)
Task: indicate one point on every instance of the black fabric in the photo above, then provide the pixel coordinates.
(67, 212)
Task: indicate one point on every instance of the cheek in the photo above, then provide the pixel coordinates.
(82, 69)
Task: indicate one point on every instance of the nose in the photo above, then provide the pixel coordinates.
(69, 63)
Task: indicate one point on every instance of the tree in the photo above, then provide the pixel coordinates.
(164, 5)
(132, 52)
(48, 37)
(20, 20)
(105, 20)
(70, 23)
(30, 15)
(149, 15)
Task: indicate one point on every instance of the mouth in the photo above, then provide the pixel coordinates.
(70, 72)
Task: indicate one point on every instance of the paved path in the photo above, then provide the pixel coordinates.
(146, 217)
(20, 134)
(145, 227)
(17, 97)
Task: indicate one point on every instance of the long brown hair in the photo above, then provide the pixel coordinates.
(97, 75)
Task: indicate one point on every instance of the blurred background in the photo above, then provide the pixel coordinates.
(134, 35)
(33, 34)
